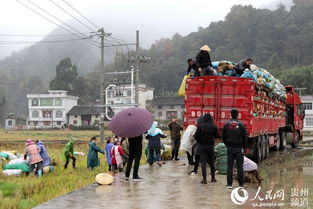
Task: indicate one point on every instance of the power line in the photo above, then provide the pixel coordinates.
(40, 42)
(31, 9)
(81, 15)
(71, 15)
(32, 35)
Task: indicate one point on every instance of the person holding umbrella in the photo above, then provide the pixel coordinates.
(132, 123)
(92, 158)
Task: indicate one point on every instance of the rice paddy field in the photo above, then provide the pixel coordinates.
(29, 191)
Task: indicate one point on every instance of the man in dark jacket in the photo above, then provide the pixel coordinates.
(135, 151)
(193, 65)
(203, 60)
(175, 129)
(234, 137)
(242, 65)
(205, 134)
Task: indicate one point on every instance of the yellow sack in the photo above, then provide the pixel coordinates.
(181, 91)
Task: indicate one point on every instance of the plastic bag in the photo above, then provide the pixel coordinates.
(181, 91)
(12, 172)
(22, 166)
(18, 161)
(188, 141)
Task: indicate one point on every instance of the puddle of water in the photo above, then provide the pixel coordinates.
(295, 178)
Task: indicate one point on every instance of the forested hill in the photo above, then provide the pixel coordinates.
(275, 40)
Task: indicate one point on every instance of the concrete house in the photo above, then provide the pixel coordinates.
(307, 102)
(49, 110)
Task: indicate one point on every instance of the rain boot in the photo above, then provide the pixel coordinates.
(213, 179)
(39, 173)
(204, 181)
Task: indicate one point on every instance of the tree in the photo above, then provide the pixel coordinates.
(2, 104)
(67, 79)
(66, 75)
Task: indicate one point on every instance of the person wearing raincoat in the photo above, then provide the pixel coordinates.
(43, 153)
(35, 160)
(68, 153)
(92, 158)
(188, 142)
(154, 136)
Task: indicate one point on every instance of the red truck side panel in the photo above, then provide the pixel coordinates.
(219, 95)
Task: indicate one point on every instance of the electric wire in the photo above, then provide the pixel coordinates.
(70, 15)
(81, 14)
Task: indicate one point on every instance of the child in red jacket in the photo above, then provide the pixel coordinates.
(116, 154)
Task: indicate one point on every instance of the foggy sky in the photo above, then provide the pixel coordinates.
(153, 18)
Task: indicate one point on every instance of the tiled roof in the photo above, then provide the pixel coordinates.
(88, 110)
(170, 100)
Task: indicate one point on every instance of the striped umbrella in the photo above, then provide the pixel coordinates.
(131, 122)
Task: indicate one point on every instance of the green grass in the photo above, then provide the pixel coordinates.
(26, 192)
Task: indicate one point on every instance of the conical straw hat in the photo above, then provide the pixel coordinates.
(104, 178)
(205, 48)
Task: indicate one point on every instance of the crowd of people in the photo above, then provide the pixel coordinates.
(198, 140)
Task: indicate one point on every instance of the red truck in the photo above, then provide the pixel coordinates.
(271, 121)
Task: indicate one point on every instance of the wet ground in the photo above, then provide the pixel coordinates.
(171, 187)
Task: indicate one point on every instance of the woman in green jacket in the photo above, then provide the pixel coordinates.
(92, 158)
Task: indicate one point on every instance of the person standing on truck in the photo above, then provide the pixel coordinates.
(175, 129)
(205, 134)
(193, 65)
(234, 137)
(203, 60)
(242, 65)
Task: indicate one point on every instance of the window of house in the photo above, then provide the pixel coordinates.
(35, 114)
(309, 121)
(182, 106)
(58, 102)
(10, 122)
(46, 123)
(46, 114)
(75, 116)
(159, 106)
(59, 123)
(172, 106)
(75, 121)
(58, 114)
(34, 102)
(307, 105)
(160, 114)
(129, 93)
(35, 123)
(46, 102)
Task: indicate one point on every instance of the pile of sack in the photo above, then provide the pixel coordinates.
(15, 163)
(258, 75)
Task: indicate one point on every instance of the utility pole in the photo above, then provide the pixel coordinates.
(102, 34)
(137, 70)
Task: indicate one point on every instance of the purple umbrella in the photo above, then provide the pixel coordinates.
(131, 122)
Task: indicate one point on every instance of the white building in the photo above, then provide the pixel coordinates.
(124, 97)
(49, 110)
(164, 108)
(308, 119)
(13, 122)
